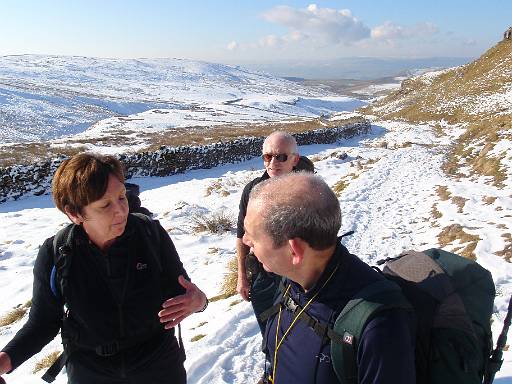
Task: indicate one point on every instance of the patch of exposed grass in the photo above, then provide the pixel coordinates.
(217, 187)
(488, 200)
(443, 193)
(222, 296)
(506, 252)
(459, 202)
(199, 325)
(316, 158)
(339, 187)
(215, 222)
(469, 251)
(456, 232)
(435, 212)
(16, 314)
(235, 302)
(46, 362)
(228, 286)
(197, 337)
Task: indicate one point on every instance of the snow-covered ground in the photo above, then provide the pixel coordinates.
(388, 203)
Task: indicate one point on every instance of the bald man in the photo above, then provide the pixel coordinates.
(280, 156)
(291, 225)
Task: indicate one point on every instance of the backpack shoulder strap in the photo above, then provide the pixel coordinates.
(61, 259)
(350, 323)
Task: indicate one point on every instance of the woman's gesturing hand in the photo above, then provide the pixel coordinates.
(178, 308)
(5, 364)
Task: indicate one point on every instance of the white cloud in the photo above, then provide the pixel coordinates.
(327, 32)
(392, 31)
(270, 41)
(325, 25)
(232, 46)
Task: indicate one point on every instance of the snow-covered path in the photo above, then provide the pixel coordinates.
(390, 190)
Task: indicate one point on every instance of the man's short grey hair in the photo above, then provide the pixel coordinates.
(290, 141)
(298, 205)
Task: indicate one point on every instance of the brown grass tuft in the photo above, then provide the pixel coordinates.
(435, 212)
(456, 232)
(16, 314)
(443, 193)
(197, 337)
(459, 202)
(339, 187)
(228, 287)
(488, 200)
(216, 222)
(217, 187)
(46, 362)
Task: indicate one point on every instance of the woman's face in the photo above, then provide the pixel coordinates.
(105, 219)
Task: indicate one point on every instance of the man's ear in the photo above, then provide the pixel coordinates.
(75, 218)
(297, 247)
(296, 160)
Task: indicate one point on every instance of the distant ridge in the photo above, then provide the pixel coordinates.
(47, 97)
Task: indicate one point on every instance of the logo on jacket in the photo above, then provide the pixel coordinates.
(141, 266)
(324, 358)
(348, 338)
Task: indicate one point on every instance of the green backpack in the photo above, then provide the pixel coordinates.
(453, 299)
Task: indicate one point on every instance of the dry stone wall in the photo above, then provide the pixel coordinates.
(21, 180)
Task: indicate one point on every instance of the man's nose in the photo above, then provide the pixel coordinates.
(273, 160)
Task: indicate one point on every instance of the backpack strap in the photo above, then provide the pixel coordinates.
(349, 325)
(269, 312)
(61, 260)
(59, 274)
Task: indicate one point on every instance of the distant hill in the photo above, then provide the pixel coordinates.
(47, 97)
(358, 68)
(476, 97)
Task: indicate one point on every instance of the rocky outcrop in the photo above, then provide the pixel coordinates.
(508, 33)
(20, 180)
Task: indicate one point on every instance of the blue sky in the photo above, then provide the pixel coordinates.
(252, 31)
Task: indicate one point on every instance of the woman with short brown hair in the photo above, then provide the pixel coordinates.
(121, 279)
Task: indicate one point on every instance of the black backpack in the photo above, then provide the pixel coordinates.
(134, 203)
(305, 164)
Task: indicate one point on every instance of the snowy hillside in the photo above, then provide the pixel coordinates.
(388, 199)
(44, 97)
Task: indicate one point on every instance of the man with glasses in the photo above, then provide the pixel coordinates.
(280, 156)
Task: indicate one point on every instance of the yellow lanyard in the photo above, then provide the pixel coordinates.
(278, 343)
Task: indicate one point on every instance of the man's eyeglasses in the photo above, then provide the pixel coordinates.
(281, 157)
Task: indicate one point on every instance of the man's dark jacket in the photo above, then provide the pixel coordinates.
(386, 350)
